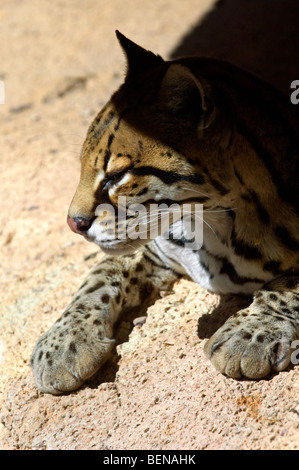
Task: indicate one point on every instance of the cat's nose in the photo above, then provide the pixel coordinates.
(79, 225)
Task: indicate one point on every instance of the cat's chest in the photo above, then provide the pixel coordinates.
(215, 265)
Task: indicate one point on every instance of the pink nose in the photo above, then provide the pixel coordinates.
(79, 225)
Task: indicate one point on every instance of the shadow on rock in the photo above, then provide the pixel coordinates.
(260, 36)
(209, 323)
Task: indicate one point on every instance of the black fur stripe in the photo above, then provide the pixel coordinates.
(169, 202)
(261, 211)
(108, 151)
(285, 191)
(243, 249)
(217, 184)
(168, 177)
(155, 260)
(286, 238)
(273, 267)
(228, 269)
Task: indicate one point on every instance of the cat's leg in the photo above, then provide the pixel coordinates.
(82, 338)
(258, 340)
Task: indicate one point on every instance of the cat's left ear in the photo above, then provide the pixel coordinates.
(185, 94)
(138, 59)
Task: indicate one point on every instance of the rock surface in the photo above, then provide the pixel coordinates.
(60, 62)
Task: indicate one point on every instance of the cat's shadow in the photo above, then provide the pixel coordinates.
(122, 331)
(207, 325)
(260, 36)
(228, 305)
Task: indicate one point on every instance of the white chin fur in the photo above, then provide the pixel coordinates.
(117, 247)
(98, 235)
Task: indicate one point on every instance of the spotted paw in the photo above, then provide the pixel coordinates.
(251, 345)
(64, 357)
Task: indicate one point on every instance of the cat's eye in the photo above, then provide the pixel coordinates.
(112, 178)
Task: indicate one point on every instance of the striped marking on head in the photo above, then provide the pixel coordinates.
(99, 179)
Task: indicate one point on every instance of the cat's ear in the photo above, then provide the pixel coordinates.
(138, 59)
(181, 88)
(185, 94)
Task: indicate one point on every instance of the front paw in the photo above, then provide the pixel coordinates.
(63, 358)
(251, 346)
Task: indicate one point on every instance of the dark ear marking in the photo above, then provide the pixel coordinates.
(181, 91)
(180, 86)
(138, 59)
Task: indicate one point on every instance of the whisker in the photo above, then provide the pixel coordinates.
(151, 220)
(221, 210)
(192, 190)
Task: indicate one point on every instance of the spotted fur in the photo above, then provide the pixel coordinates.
(187, 131)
